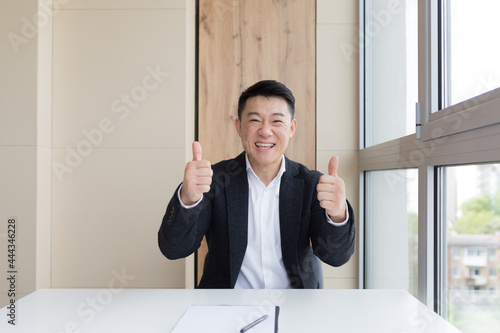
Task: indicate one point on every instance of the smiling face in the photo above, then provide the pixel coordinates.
(265, 128)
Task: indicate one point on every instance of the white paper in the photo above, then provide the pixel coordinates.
(225, 318)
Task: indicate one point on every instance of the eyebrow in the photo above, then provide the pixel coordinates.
(254, 113)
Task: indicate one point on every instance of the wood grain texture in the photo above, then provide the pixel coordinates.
(240, 43)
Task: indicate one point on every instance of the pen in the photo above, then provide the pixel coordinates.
(252, 324)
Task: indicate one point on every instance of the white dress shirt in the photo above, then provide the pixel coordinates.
(262, 266)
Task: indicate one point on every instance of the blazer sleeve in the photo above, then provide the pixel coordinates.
(182, 230)
(334, 245)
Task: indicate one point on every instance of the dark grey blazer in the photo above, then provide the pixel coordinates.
(222, 217)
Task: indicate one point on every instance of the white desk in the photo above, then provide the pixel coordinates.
(158, 310)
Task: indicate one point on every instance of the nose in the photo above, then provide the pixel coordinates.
(265, 129)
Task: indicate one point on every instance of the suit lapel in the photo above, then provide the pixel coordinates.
(237, 213)
(290, 207)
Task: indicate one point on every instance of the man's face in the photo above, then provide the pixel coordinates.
(265, 128)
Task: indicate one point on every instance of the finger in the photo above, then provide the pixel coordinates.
(204, 172)
(328, 196)
(196, 151)
(333, 166)
(327, 179)
(325, 187)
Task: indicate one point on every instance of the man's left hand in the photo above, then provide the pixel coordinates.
(331, 192)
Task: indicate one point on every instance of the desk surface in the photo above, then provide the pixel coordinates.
(158, 310)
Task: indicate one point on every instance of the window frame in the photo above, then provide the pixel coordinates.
(443, 134)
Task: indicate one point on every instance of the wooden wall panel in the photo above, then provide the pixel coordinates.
(242, 42)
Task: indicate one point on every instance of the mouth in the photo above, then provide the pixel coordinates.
(264, 146)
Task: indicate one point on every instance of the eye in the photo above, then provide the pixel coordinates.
(253, 120)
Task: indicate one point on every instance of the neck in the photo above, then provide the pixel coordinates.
(266, 173)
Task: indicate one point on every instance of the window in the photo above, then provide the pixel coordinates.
(391, 69)
(470, 49)
(476, 252)
(455, 153)
(457, 253)
(475, 272)
(493, 273)
(471, 218)
(492, 254)
(392, 230)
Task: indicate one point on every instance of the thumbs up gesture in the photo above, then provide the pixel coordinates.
(197, 177)
(331, 192)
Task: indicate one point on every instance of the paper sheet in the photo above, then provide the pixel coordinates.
(226, 318)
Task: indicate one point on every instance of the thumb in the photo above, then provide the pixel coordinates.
(333, 166)
(196, 151)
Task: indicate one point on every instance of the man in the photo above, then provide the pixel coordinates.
(265, 218)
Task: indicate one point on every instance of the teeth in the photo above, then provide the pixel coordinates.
(264, 144)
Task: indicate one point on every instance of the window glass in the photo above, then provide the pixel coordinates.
(471, 48)
(456, 253)
(391, 224)
(493, 254)
(391, 69)
(472, 224)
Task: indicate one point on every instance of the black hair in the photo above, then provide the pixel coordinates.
(267, 88)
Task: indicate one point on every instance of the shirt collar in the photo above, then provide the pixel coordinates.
(280, 172)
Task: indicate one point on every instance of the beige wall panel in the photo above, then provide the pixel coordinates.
(18, 73)
(18, 139)
(44, 154)
(44, 83)
(106, 216)
(242, 42)
(18, 199)
(119, 67)
(120, 4)
(338, 11)
(338, 283)
(123, 72)
(44, 218)
(337, 99)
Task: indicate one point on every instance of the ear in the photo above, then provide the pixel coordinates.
(293, 127)
(237, 124)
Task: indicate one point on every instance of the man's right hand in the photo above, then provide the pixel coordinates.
(197, 177)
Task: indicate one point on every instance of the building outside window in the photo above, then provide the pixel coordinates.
(493, 272)
(492, 254)
(457, 253)
(473, 225)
